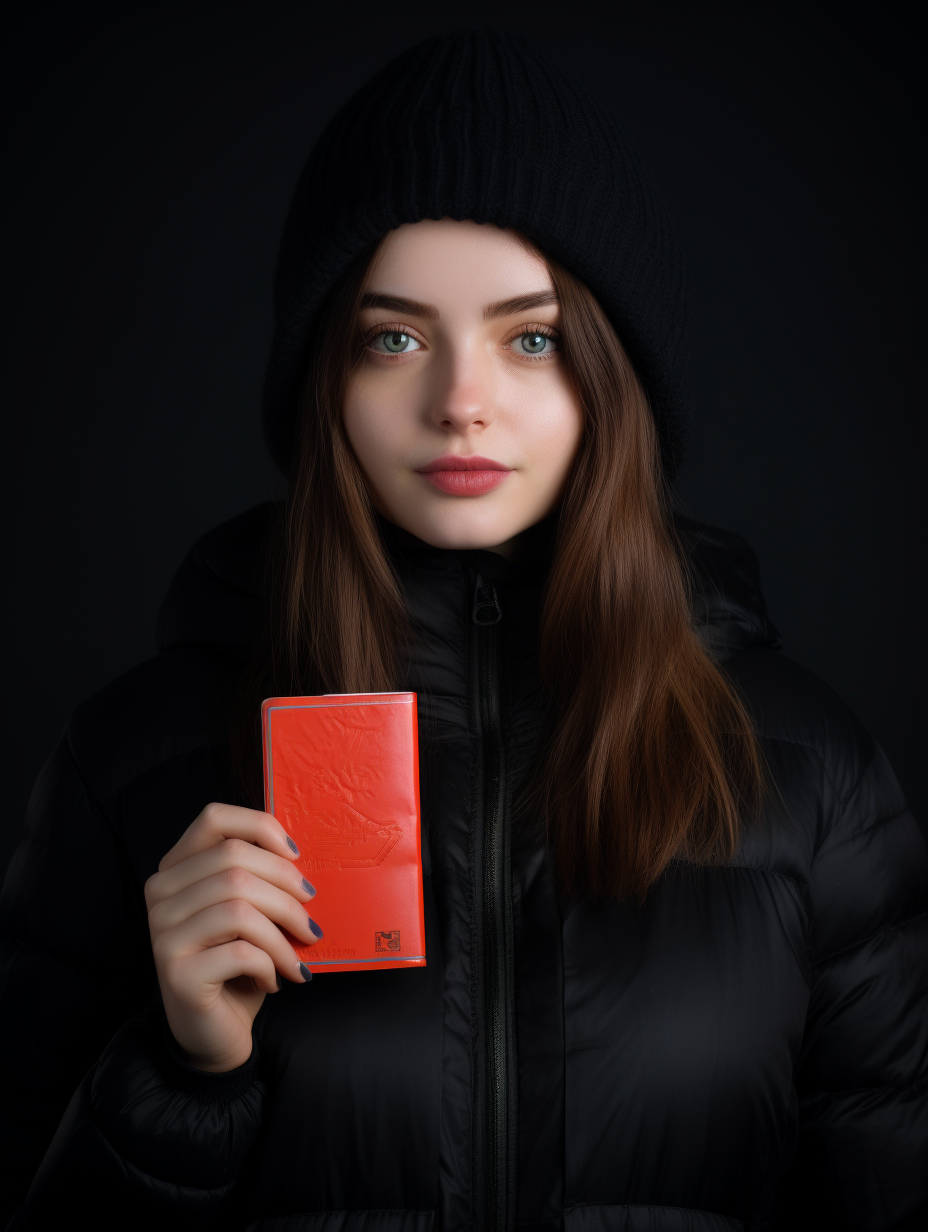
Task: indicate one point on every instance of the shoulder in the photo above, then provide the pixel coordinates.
(217, 595)
(835, 820)
(791, 706)
(167, 707)
(825, 773)
(177, 703)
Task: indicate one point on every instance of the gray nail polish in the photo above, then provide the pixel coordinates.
(309, 888)
(305, 972)
(292, 845)
(314, 928)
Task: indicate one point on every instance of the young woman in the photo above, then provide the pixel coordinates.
(677, 940)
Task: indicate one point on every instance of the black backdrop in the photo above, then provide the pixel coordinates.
(152, 155)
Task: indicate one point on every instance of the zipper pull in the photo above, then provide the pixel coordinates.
(486, 604)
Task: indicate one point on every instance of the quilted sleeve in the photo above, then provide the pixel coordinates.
(862, 1162)
(147, 1141)
(74, 964)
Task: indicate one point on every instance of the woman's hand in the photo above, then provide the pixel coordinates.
(214, 907)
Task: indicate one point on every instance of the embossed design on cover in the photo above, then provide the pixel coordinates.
(335, 796)
(347, 839)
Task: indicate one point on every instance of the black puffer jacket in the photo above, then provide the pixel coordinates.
(748, 1050)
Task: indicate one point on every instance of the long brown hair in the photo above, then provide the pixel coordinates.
(650, 755)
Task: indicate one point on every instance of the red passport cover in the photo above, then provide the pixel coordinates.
(341, 775)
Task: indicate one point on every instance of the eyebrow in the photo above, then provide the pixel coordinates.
(502, 308)
(519, 303)
(396, 303)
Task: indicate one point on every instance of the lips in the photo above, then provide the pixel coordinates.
(458, 476)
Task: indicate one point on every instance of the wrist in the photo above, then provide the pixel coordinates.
(225, 1083)
(222, 1064)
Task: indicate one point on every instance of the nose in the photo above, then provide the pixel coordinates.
(464, 404)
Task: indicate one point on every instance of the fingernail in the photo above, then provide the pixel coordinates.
(292, 845)
(314, 928)
(308, 888)
(305, 972)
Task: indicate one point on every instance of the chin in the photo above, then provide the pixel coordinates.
(462, 533)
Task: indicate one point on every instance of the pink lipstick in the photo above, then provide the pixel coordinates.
(458, 476)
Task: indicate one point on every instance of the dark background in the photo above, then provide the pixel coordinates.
(152, 153)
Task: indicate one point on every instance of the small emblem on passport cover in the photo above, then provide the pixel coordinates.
(341, 775)
(385, 942)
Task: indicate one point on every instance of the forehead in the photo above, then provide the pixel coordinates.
(440, 261)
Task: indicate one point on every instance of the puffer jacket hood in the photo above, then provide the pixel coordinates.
(217, 595)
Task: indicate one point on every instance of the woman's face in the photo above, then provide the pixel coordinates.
(461, 414)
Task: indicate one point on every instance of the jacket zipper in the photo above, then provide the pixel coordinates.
(496, 911)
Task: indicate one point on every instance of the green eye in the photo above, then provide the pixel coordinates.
(393, 342)
(534, 343)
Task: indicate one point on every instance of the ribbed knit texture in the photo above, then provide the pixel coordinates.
(477, 125)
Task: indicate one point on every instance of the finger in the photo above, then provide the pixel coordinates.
(278, 905)
(230, 853)
(230, 921)
(222, 821)
(199, 975)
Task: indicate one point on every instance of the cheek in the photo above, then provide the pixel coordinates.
(551, 425)
(374, 426)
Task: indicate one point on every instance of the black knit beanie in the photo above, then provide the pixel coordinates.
(477, 125)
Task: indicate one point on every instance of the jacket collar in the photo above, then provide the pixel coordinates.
(217, 596)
